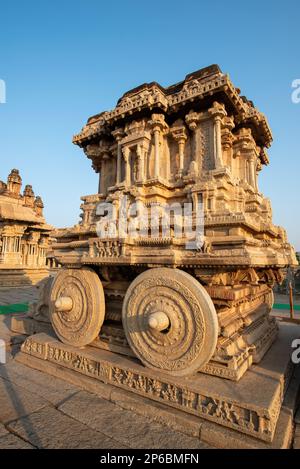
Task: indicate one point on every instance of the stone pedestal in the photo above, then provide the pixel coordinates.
(251, 412)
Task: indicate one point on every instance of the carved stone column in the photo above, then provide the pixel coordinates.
(141, 163)
(195, 203)
(227, 140)
(218, 112)
(119, 162)
(178, 132)
(126, 156)
(252, 175)
(118, 134)
(4, 244)
(247, 151)
(192, 120)
(156, 131)
(158, 124)
(258, 169)
(103, 173)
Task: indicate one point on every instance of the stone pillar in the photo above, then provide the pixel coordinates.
(217, 111)
(178, 131)
(156, 151)
(4, 245)
(118, 134)
(126, 156)
(158, 125)
(227, 141)
(258, 169)
(140, 151)
(252, 181)
(195, 149)
(181, 144)
(119, 162)
(103, 174)
(218, 143)
(193, 120)
(195, 203)
(99, 183)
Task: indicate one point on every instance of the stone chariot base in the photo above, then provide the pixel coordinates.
(256, 412)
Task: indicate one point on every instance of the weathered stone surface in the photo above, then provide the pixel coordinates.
(3, 430)
(292, 396)
(296, 442)
(159, 438)
(49, 428)
(9, 337)
(10, 441)
(15, 401)
(226, 438)
(173, 418)
(297, 416)
(28, 326)
(130, 429)
(83, 382)
(259, 395)
(177, 420)
(50, 389)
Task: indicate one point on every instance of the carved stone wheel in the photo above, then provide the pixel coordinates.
(170, 321)
(77, 306)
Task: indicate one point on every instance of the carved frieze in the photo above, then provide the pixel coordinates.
(187, 398)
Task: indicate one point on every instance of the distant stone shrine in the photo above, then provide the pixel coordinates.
(24, 234)
(186, 303)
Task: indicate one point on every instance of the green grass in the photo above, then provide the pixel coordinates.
(23, 308)
(285, 306)
(11, 309)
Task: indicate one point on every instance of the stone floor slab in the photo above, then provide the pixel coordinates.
(7, 335)
(49, 428)
(15, 401)
(3, 430)
(128, 428)
(11, 441)
(49, 388)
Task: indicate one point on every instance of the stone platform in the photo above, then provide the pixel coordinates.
(19, 276)
(250, 413)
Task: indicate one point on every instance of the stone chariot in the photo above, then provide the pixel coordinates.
(178, 310)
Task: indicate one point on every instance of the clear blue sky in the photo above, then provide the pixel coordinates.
(65, 60)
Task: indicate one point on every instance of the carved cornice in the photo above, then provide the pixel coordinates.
(194, 88)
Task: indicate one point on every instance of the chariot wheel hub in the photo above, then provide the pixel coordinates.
(159, 321)
(64, 303)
